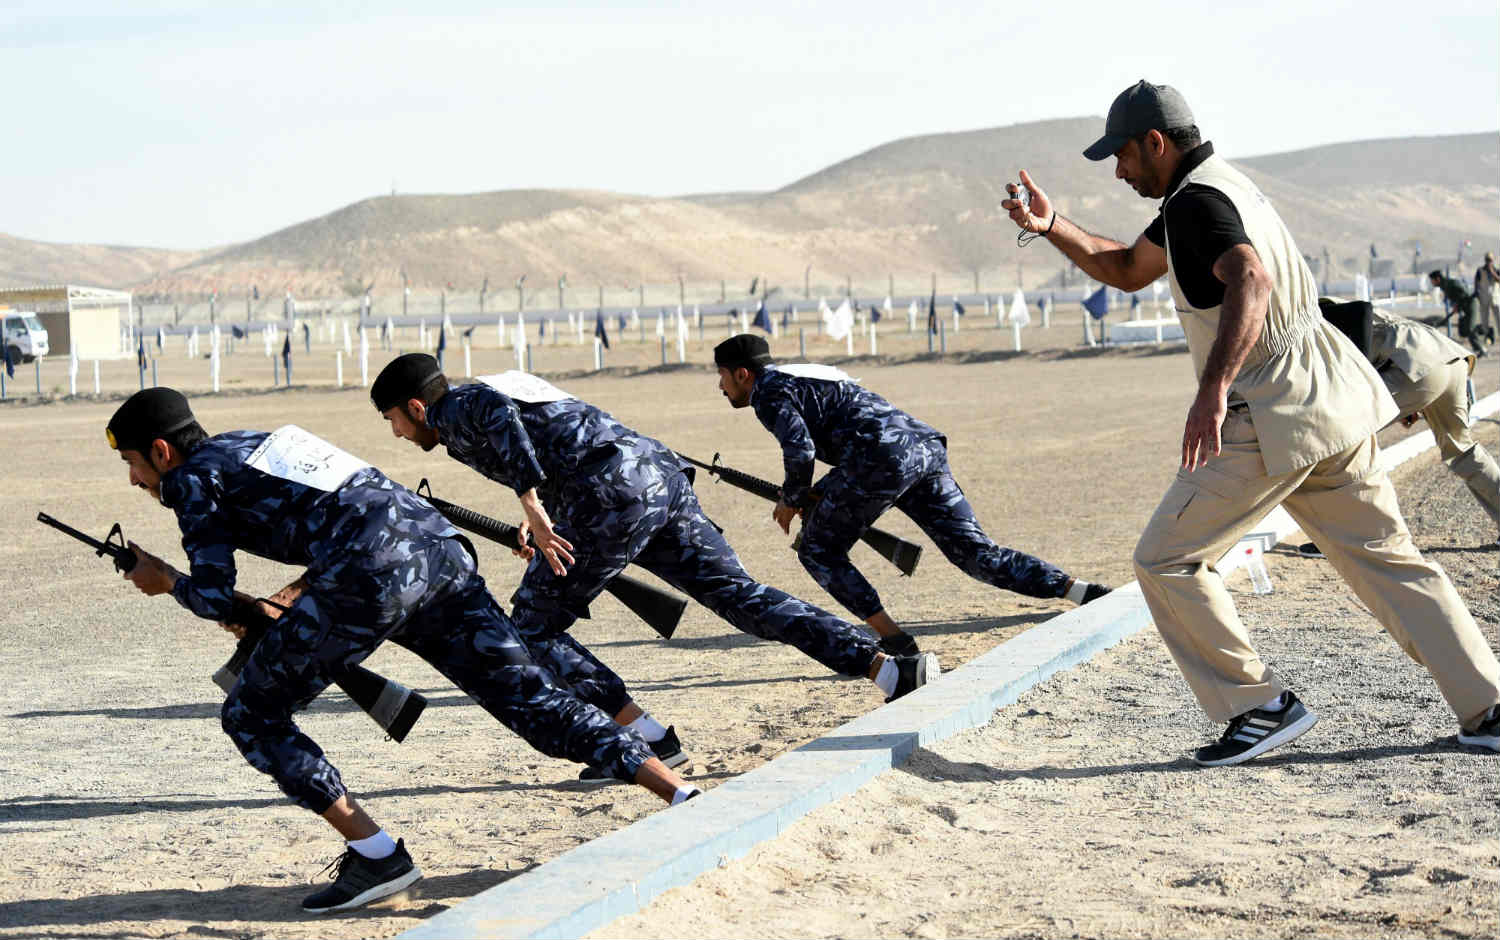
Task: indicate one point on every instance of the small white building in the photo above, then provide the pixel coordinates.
(88, 319)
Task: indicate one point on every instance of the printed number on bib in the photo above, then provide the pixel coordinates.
(296, 455)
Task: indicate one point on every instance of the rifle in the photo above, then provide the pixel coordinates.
(898, 551)
(660, 609)
(393, 706)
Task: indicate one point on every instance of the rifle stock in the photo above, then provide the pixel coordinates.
(392, 705)
(900, 552)
(659, 609)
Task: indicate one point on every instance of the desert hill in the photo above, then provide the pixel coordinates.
(910, 206)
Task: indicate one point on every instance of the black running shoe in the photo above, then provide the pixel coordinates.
(668, 750)
(1487, 735)
(1256, 732)
(913, 672)
(901, 644)
(1094, 591)
(358, 880)
(1310, 550)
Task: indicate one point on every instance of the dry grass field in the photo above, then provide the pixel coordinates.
(125, 811)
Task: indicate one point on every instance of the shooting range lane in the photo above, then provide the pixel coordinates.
(621, 873)
(126, 811)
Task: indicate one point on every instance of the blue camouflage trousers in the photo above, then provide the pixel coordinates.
(427, 597)
(918, 482)
(658, 524)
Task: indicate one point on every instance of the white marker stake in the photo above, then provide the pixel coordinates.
(364, 358)
(468, 364)
(874, 349)
(598, 354)
(849, 343)
(1015, 331)
(338, 367)
(73, 370)
(96, 378)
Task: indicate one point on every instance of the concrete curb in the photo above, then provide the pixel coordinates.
(619, 873)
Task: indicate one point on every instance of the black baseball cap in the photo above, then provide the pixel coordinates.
(1140, 108)
(744, 351)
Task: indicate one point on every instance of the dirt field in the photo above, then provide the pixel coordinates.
(126, 812)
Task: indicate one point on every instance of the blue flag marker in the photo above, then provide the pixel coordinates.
(442, 345)
(762, 319)
(10, 364)
(599, 330)
(1097, 304)
(958, 308)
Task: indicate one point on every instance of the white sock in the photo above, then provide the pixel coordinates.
(1076, 589)
(683, 793)
(648, 728)
(888, 676)
(379, 845)
(1276, 704)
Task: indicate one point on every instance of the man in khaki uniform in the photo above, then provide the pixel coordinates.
(1286, 412)
(1428, 375)
(1487, 292)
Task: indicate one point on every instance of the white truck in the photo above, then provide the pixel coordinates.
(23, 336)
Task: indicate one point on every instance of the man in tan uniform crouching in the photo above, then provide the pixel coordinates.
(1286, 412)
(1428, 375)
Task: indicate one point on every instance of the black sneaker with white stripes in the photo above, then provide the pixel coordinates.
(668, 750)
(1256, 732)
(1487, 735)
(913, 672)
(358, 880)
(1310, 550)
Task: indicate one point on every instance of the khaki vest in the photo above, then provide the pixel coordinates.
(1311, 393)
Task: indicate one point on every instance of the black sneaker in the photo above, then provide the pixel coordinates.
(901, 644)
(358, 880)
(668, 750)
(913, 672)
(1310, 550)
(1094, 591)
(1487, 735)
(1256, 732)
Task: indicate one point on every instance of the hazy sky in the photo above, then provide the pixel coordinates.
(188, 124)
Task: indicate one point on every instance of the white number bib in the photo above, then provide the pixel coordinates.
(296, 455)
(523, 386)
(815, 370)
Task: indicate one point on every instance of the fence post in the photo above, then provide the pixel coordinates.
(598, 354)
(96, 376)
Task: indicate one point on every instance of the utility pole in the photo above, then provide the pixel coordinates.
(562, 282)
(681, 290)
(806, 283)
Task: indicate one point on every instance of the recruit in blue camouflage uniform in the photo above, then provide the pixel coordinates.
(881, 457)
(381, 565)
(619, 497)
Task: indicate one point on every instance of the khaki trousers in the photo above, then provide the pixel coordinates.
(1442, 397)
(1345, 503)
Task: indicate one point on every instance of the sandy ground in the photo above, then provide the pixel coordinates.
(1077, 812)
(125, 812)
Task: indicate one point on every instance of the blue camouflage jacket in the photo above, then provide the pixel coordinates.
(224, 506)
(523, 445)
(842, 424)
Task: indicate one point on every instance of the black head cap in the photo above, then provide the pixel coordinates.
(744, 351)
(146, 416)
(402, 380)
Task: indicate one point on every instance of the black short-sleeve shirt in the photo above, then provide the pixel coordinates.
(1204, 225)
